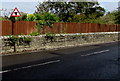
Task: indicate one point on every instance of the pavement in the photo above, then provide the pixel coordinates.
(97, 61)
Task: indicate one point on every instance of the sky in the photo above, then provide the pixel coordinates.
(29, 6)
(59, 0)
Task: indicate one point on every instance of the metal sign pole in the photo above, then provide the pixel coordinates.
(12, 28)
(13, 21)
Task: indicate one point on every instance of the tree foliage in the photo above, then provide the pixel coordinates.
(117, 17)
(79, 18)
(23, 17)
(46, 19)
(30, 17)
(67, 10)
(2, 18)
(109, 18)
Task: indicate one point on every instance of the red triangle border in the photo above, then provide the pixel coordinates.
(15, 15)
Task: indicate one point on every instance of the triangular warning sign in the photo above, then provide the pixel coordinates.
(15, 13)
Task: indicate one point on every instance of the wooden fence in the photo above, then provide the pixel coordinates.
(20, 27)
(27, 27)
(80, 28)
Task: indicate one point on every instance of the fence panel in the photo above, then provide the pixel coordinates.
(118, 27)
(6, 28)
(0, 28)
(56, 28)
(31, 27)
(24, 27)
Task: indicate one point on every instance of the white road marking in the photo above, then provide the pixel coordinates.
(96, 53)
(45, 63)
(4, 71)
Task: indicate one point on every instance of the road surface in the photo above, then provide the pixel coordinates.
(82, 62)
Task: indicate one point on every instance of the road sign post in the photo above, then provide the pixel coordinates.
(14, 14)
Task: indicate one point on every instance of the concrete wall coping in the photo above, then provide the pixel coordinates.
(4, 37)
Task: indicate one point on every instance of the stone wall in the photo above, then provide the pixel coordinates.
(63, 40)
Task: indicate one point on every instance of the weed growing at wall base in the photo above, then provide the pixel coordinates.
(17, 41)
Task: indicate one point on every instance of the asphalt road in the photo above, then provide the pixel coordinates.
(82, 62)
